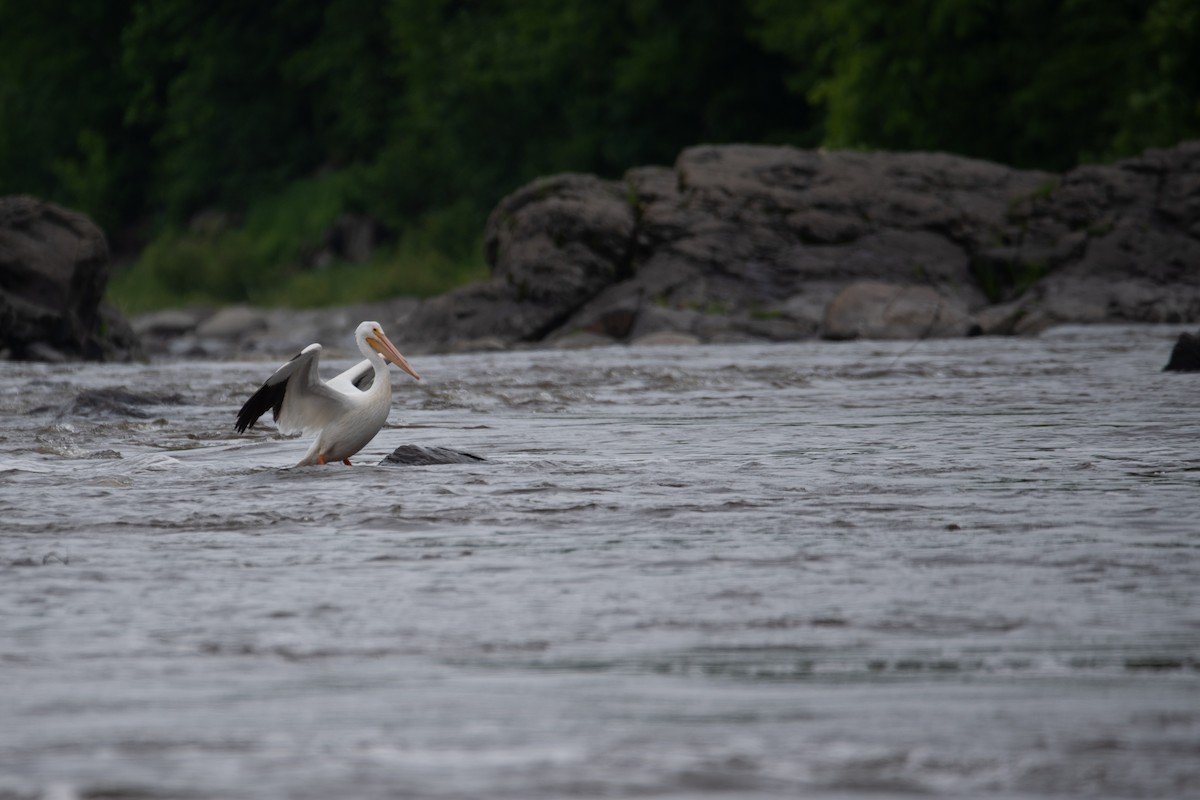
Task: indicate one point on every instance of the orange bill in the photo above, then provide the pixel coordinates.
(381, 344)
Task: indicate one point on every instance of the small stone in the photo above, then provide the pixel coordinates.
(40, 351)
(170, 322)
(232, 322)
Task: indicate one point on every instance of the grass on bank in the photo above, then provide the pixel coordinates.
(186, 270)
(267, 259)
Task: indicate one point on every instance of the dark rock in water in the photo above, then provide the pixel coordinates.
(116, 340)
(1185, 355)
(53, 272)
(414, 455)
(114, 401)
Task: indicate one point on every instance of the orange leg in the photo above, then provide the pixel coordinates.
(346, 461)
(321, 458)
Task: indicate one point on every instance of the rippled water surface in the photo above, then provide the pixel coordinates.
(963, 568)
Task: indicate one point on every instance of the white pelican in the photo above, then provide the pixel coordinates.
(343, 413)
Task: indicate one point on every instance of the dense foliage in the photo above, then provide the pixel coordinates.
(422, 113)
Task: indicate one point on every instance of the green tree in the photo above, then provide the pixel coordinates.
(496, 93)
(1038, 84)
(62, 129)
(346, 74)
(1164, 105)
(210, 83)
(425, 112)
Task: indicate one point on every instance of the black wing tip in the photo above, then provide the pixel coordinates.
(245, 419)
(269, 396)
(266, 398)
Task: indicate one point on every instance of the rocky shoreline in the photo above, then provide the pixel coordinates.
(748, 242)
(743, 243)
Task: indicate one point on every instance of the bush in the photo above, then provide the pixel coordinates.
(268, 259)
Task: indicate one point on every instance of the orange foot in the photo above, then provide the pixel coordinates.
(346, 461)
(321, 458)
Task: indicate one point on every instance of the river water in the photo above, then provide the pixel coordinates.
(870, 569)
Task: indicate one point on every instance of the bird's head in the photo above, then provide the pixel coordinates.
(371, 335)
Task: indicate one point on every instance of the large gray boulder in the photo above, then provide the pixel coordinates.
(551, 247)
(742, 241)
(876, 310)
(752, 242)
(53, 272)
(1113, 243)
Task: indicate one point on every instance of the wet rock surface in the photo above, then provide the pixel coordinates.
(415, 455)
(115, 401)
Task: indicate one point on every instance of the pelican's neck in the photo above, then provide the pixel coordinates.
(383, 378)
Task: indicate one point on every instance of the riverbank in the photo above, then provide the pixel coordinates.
(237, 332)
(742, 243)
(734, 243)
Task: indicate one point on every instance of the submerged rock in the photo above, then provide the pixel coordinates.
(114, 401)
(415, 455)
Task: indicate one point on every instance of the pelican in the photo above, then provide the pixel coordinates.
(346, 412)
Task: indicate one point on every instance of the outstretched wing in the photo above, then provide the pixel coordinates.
(297, 397)
(360, 377)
